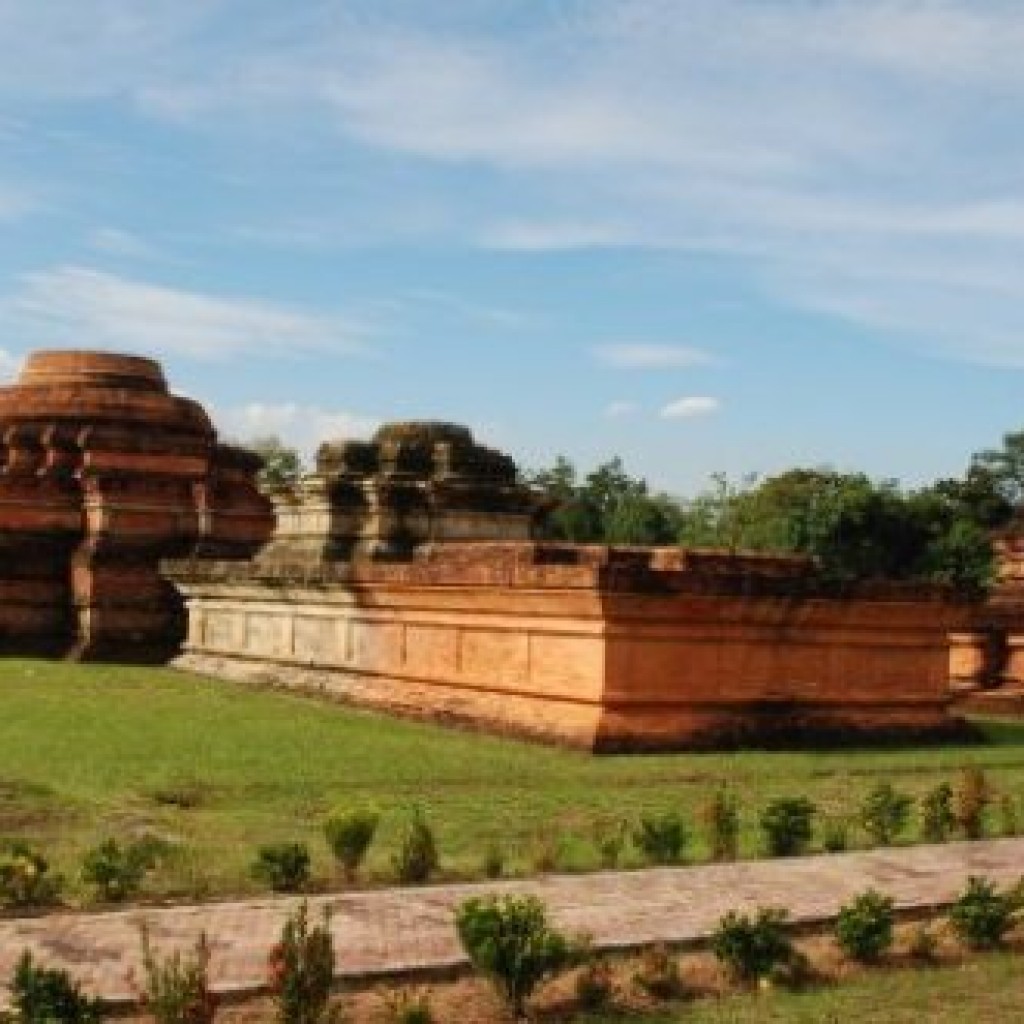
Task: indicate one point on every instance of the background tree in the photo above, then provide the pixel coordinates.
(282, 465)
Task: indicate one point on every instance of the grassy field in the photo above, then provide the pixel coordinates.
(988, 989)
(88, 752)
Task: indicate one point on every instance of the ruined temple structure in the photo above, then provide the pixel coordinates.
(414, 484)
(987, 654)
(403, 576)
(103, 473)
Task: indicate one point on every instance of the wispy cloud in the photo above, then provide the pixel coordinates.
(81, 306)
(643, 356)
(305, 427)
(690, 407)
(620, 409)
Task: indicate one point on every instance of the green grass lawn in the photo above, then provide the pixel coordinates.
(88, 752)
(986, 990)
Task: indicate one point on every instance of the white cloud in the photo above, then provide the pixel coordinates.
(690, 407)
(642, 356)
(620, 409)
(84, 307)
(525, 236)
(304, 426)
(117, 242)
(9, 365)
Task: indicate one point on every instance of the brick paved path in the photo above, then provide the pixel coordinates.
(402, 930)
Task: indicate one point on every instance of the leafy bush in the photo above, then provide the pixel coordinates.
(508, 939)
(657, 974)
(349, 834)
(595, 984)
(44, 995)
(494, 861)
(864, 928)
(752, 947)
(116, 872)
(1008, 823)
(25, 880)
(300, 970)
(721, 817)
(661, 838)
(982, 916)
(610, 840)
(885, 813)
(416, 859)
(176, 989)
(835, 835)
(786, 824)
(937, 817)
(408, 1006)
(971, 800)
(282, 866)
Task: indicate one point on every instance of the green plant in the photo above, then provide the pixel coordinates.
(885, 813)
(1008, 823)
(657, 973)
(494, 861)
(661, 838)
(176, 988)
(546, 852)
(786, 824)
(282, 866)
(609, 840)
(25, 879)
(44, 995)
(416, 858)
(300, 970)
(408, 1006)
(923, 945)
(509, 939)
(752, 947)
(115, 872)
(937, 817)
(972, 797)
(864, 928)
(349, 833)
(595, 984)
(835, 835)
(721, 818)
(981, 917)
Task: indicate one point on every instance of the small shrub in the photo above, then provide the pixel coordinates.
(661, 838)
(349, 834)
(44, 995)
(835, 835)
(610, 840)
(981, 917)
(494, 861)
(282, 866)
(300, 970)
(937, 817)
(721, 817)
(971, 800)
(116, 872)
(176, 988)
(25, 879)
(787, 825)
(416, 859)
(545, 853)
(595, 984)
(885, 813)
(923, 945)
(1008, 823)
(864, 928)
(508, 939)
(408, 1006)
(752, 947)
(657, 973)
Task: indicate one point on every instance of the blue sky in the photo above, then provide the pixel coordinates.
(706, 235)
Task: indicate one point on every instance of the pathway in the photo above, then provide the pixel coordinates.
(408, 930)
